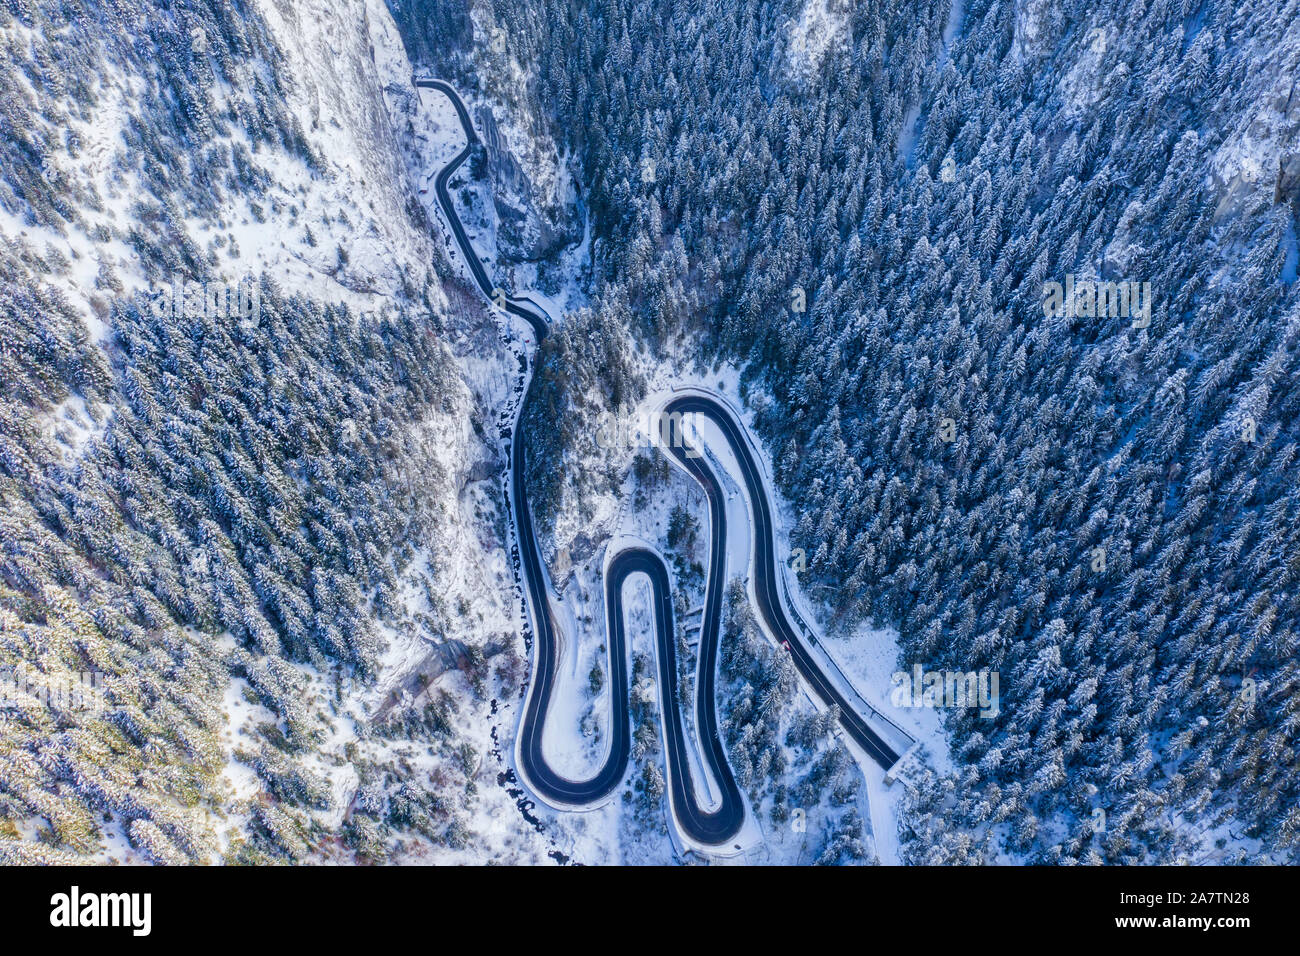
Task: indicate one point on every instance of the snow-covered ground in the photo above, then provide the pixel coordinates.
(861, 664)
(349, 231)
(821, 25)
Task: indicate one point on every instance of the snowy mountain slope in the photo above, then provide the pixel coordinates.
(279, 155)
(256, 600)
(1096, 505)
(535, 211)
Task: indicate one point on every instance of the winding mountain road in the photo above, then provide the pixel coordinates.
(707, 827)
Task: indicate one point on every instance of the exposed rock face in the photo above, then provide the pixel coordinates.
(568, 558)
(583, 547)
(528, 228)
(1288, 179)
(483, 469)
(443, 657)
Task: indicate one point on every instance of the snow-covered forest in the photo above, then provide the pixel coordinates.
(233, 434)
(866, 224)
(1005, 289)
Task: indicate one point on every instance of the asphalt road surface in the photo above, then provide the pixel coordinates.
(706, 827)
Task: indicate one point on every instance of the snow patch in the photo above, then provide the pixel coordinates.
(822, 24)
